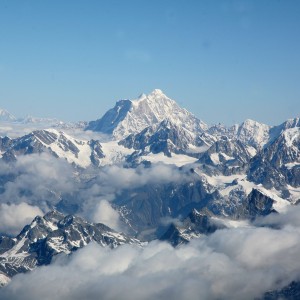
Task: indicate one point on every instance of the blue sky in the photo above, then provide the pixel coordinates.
(225, 61)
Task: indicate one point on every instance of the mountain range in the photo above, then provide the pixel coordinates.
(224, 175)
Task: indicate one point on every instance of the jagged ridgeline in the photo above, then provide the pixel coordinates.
(50, 235)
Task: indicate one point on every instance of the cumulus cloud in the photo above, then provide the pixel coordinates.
(240, 263)
(14, 217)
(104, 213)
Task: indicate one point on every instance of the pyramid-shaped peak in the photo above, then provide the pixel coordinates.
(147, 110)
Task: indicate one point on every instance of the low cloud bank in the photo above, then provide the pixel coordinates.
(240, 263)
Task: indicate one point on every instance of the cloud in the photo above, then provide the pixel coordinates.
(15, 130)
(14, 217)
(110, 181)
(289, 218)
(78, 133)
(236, 263)
(42, 180)
(123, 178)
(37, 179)
(240, 263)
(104, 213)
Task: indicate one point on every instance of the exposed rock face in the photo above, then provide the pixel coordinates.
(193, 226)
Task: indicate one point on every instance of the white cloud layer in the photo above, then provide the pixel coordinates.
(240, 263)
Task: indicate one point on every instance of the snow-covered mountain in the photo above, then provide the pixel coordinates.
(278, 164)
(250, 133)
(168, 138)
(228, 155)
(80, 152)
(132, 116)
(6, 116)
(50, 235)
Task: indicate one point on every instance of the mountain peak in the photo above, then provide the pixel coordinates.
(6, 116)
(148, 110)
(155, 97)
(157, 92)
(251, 123)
